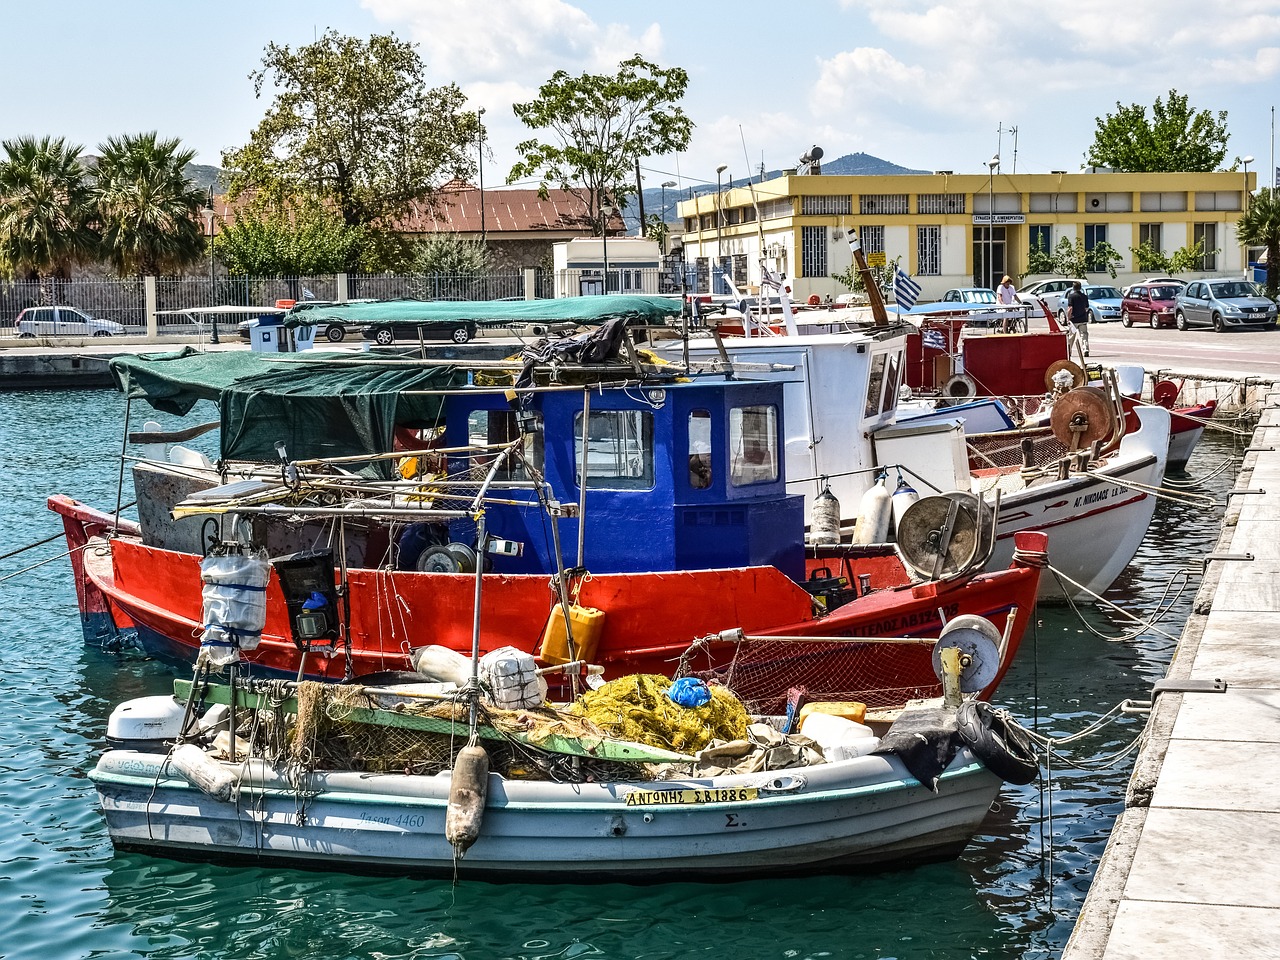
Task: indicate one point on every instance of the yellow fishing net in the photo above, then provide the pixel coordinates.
(637, 708)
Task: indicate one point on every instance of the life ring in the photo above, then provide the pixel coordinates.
(998, 742)
(814, 300)
(960, 387)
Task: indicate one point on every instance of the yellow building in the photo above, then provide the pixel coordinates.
(959, 230)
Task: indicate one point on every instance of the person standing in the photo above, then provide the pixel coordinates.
(1078, 314)
(1005, 293)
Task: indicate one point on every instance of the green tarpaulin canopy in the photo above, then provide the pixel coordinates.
(583, 310)
(324, 406)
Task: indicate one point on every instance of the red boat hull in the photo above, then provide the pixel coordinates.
(650, 618)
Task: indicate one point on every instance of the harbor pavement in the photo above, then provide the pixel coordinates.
(1193, 864)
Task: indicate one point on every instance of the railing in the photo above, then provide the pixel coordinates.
(125, 301)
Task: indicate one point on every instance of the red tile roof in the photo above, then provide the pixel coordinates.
(506, 210)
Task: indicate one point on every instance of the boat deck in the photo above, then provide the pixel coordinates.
(1193, 864)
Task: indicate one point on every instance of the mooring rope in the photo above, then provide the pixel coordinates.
(1191, 499)
(1143, 626)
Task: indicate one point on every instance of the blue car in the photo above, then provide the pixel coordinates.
(1104, 303)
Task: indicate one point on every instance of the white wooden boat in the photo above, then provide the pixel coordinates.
(823, 817)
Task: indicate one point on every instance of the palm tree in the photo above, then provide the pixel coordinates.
(147, 206)
(1260, 226)
(46, 208)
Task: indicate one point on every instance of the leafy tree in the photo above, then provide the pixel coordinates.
(148, 209)
(655, 228)
(1039, 258)
(1177, 138)
(1188, 258)
(1147, 259)
(46, 208)
(1260, 226)
(1071, 259)
(446, 264)
(851, 276)
(354, 127)
(601, 125)
(266, 244)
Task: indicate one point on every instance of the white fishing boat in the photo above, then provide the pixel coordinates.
(547, 799)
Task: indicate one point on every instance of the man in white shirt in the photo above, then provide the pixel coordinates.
(1005, 292)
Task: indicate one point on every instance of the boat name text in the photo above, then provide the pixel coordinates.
(637, 798)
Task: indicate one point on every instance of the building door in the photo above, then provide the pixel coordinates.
(988, 256)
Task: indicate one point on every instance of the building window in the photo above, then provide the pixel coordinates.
(872, 239)
(1052, 203)
(929, 251)
(1169, 200)
(1218, 200)
(1040, 237)
(1094, 234)
(1149, 233)
(813, 251)
(940, 203)
(619, 449)
(774, 209)
(1207, 234)
(878, 203)
(820, 206)
(753, 445)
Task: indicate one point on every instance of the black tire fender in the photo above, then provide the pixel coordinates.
(996, 740)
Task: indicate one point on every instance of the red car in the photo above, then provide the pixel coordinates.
(1149, 303)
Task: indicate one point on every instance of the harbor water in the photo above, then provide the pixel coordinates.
(1014, 893)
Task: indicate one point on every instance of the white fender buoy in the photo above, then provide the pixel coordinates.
(824, 524)
(203, 772)
(904, 496)
(436, 662)
(874, 514)
(468, 791)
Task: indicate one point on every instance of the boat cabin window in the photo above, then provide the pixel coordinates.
(493, 427)
(619, 449)
(700, 474)
(753, 445)
(891, 384)
(875, 384)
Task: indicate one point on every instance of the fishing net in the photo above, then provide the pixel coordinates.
(760, 671)
(331, 731)
(637, 708)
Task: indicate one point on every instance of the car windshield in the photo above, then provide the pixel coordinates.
(1102, 293)
(978, 296)
(1235, 288)
(1163, 293)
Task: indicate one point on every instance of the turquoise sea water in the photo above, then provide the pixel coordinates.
(1015, 892)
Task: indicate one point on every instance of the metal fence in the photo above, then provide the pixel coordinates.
(125, 301)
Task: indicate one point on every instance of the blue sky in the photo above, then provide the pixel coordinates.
(924, 84)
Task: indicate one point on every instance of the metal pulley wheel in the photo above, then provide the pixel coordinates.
(945, 535)
(1081, 416)
(1078, 377)
(978, 640)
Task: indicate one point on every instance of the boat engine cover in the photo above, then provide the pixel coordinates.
(146, 720)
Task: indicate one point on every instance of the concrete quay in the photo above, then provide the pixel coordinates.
(1193, 864)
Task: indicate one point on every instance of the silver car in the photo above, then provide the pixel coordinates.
(61, 321)
(1225, 304)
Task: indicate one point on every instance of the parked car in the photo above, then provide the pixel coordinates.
(1225, 304)
(969, 295)
(1150, 302)
(387, 333)
(1049, 291)
(1164, 281)
(1104, 304)
(64, 322)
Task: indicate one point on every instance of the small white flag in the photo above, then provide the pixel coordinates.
(905, 290)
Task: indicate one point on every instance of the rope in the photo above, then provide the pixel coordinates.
(1212, 474)
(1192, 499)
(41, 563)
(1143, 626)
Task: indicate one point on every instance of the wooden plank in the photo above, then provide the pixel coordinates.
(601, 748)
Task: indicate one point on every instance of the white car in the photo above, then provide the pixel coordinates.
(64, 322)
(1049, 291)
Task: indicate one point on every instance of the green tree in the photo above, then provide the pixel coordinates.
(1188, 258)
(601, 125)
(1071, 259)
(1040, 258)
(148, 210)
(265, 244)
(447, 265)
(1176, 139)
(1147, 259)
(355, 128)
(46, 208)
(657, 229)
(1260, 226)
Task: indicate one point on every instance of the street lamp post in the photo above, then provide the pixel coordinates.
(991, 216)
(480, 124)
(719, 220)
(606, 214)
(1244, 208)
(213, 287)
